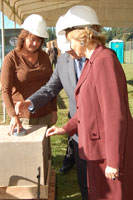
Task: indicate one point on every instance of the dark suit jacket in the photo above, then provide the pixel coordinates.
(102, 110)
(63, 77)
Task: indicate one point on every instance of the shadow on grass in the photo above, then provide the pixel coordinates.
(130, 92)
(60, 102)
(130, 82)
(67, 182)
(67, 187)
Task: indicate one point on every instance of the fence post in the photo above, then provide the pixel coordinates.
(3, 49)
(130, 51)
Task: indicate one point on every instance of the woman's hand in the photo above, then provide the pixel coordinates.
(21, 106)
(53, 118)
(111, 173)
(55, 131)
(15, 122)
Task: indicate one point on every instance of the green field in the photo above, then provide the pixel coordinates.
(66, 185)
(128, 68)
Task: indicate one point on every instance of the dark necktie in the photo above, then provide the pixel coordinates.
(80, 65)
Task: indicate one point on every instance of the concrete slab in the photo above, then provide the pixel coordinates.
(21, 156)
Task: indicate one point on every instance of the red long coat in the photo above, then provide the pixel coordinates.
(103, 120)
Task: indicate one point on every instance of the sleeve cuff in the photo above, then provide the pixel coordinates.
(31, 108)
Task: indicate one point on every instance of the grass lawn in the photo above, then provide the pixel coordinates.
(128, 68)
(66, 185)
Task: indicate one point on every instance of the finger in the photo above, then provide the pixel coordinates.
(19, 108)
(116, 175)
(109, 175)
(18, 128)
(11, 129)
(16, 109)
(53, 128)
(50, 134)
(112, 176)
(19, 125)
(50, 131)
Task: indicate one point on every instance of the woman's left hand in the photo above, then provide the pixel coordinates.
(55, 131)
(111, 173)
(15, 123)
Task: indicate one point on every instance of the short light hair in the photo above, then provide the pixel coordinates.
(87, 35)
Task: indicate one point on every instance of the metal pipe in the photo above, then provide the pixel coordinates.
(3, 49)
(2, 30)
(14, 19)
(38, 187)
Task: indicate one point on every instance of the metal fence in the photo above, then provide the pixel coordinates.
(2, 109)
(128, 52)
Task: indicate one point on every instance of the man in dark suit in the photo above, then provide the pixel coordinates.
(64, 76)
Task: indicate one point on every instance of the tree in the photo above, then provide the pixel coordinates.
(52, 34)
(124, 34)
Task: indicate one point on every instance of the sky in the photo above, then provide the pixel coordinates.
(8, 23)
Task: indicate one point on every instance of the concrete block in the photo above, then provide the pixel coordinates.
(21, 156)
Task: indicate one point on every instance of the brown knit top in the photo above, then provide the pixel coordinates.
(20, 79)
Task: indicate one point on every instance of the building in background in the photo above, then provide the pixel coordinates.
(10, 41)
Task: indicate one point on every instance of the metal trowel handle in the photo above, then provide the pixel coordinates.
(38, 186)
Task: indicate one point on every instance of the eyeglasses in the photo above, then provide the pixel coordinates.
(34, 39)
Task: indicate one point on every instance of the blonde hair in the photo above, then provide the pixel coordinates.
(87, 35)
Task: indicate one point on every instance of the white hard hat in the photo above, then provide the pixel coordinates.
(59, 24)
(78, 16)
(63, 44)
(36, 25)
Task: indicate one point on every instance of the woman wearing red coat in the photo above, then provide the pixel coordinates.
(103, 115)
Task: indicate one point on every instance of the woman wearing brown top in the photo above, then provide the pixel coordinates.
(25, 69)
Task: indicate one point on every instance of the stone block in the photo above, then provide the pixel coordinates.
(21, 156)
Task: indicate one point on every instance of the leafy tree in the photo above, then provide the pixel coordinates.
(52, 34)
(124, 34)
